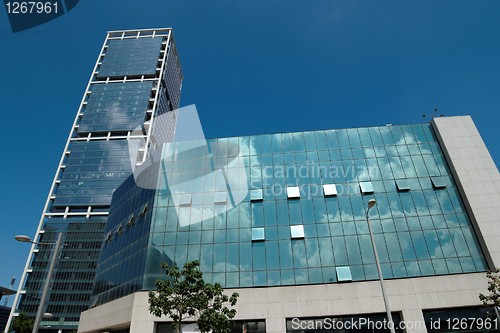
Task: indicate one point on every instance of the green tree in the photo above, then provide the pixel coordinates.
(184, 294)
(22, 324)
(493, 298)
(217, 316)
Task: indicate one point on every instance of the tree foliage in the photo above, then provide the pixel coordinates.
(184, 294)
(217, 317)
(493, 298)
(22, 324)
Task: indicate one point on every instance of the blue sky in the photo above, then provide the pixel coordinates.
(250, 67)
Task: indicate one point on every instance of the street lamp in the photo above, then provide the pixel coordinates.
(496, 313)
(41, 307)
(372, 203)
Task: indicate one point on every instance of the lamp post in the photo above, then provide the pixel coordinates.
(372, 203)
(41, 307)
(497, 314)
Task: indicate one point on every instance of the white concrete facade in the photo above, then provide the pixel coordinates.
(477, 179)
(408, 296)
(479, 183)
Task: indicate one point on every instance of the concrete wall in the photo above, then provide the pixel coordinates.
(477, 179)
(410, 296)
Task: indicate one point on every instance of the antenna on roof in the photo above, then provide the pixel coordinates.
(434, 114)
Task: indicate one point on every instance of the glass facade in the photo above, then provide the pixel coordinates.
(116, 107)
(92, 172)
(129, 87)
(72, 282)
(126, 238)
(310, 236)
(131, 57)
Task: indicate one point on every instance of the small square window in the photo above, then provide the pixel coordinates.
(438, 182)
(402, 185)
(220, 198)
(344, 274)
(329, 189)
(258, 234)
(297, 231)
(293, 192)
(256, 195)
(366, 187)
(185, 199)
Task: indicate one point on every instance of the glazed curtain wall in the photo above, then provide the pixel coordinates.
(420, 225)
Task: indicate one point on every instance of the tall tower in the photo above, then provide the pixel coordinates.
(137, 77)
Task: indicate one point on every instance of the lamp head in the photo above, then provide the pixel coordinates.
(23, 238)
(371, 203)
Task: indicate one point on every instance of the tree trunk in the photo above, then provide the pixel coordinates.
(179, 323)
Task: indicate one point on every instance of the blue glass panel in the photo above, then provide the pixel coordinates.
(344, 274)
(130, 57)
(115, 107)
(258, 234)
(366, 187)
(419, 232)
(93, 171)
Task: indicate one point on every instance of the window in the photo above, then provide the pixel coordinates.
(366, 187)
(131, 220)
(438, 182)
(256, 195)
(220, 198)
(185, 199)
(144, 210)
(402, 185)
(330, 189)
(258, 234)
(297, 231)
(293, 192)
(344, 274)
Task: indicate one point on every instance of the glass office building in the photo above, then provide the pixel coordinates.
(137, 77)
(303, 217)
(282, 220)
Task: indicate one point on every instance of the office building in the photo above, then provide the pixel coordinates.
(4, 309)
(282, 219)
(137, 76)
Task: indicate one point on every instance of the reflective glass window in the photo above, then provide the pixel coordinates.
(258, 234)
(402, 185)
(127, 57)
(438, 182)
(297, 231)
(343, 274)
(366, 187)
(330, 189)
(220, 197)
(184, 199)
(293, 192)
